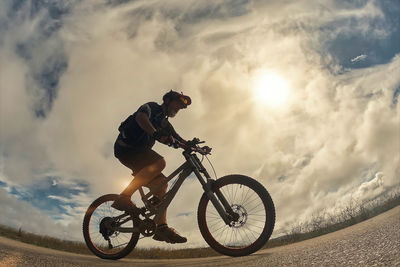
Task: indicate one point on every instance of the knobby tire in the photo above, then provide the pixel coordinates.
(265, 198)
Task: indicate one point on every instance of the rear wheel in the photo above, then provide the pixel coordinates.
(253, 220)
(99, 229)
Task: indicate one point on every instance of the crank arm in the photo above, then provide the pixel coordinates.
(127, 229)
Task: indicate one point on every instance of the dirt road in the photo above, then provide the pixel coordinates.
(375, 242)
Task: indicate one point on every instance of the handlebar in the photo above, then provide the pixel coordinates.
(192, 146)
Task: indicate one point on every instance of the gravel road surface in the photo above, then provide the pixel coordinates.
(375, 242)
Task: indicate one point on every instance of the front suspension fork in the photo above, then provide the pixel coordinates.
(220, 203)
(224, 210)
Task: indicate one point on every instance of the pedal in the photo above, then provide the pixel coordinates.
(143, 211)
(155, 201)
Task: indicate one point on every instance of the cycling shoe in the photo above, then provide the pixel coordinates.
(168, 234)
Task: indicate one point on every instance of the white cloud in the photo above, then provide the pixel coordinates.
(20, 214)
(370, 188)
(361, 57)
(62, 199)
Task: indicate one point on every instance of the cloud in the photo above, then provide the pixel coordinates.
(369, 188)
(359, 58)
(78, 72)
(21, 214)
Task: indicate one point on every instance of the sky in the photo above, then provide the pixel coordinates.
(303, 96)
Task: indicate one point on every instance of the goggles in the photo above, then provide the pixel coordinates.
(184, 100)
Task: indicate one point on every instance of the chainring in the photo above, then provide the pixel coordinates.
(147, 227)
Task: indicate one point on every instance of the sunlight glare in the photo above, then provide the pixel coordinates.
(125, 183)
(271, 89)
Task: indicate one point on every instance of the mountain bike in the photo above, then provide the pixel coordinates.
(236, 215)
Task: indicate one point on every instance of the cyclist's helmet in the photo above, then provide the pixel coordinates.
(180, 97)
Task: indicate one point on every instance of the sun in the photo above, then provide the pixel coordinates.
(271, 89)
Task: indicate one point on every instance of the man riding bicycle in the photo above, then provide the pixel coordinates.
(133, 148)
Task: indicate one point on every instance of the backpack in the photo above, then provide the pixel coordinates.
(131, 133)
(125, 125)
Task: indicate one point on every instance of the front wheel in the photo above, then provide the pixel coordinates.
(254, 217)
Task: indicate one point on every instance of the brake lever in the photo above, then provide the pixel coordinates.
(175, 145)
(205, 150)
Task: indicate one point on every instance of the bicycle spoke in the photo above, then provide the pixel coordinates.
(245, 196)
(254, 220)
(241, 237)
(220, 230)
(253, 214)
(225, 192)
(248, 201)
(219, 222)
(251, 232)
(237, 188)
(254, 207)
(121, 245)
(255, 225)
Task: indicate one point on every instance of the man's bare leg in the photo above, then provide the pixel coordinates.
(163, 232)
(144, 176)
(159, 193)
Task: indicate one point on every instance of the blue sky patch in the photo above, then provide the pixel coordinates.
(50, 194)
(184, 214)
(353, 49)
(49, 71)
(48, 79)
(396, 94)
(55, 9)
(282, 178)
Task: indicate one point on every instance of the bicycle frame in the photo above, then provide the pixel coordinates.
(192, 164)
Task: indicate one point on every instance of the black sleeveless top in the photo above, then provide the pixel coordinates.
(132, 134)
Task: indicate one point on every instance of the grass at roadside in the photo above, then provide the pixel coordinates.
(320, 224)
(81, 248)
(324, 222)
(44, 241)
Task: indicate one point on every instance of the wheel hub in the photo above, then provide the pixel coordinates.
(240, 216)
(106, 227)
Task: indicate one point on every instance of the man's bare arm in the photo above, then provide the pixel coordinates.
(143, 120)
(175, 134)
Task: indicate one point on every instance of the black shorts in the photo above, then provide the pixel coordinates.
(135, 158)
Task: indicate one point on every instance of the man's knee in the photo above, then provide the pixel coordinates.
(159, 165)
(154, 169)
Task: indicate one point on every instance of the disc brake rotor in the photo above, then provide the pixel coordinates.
(241, 215)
